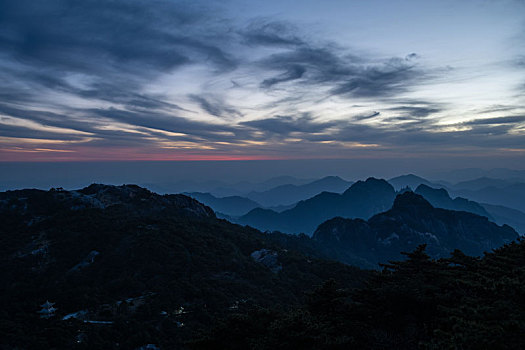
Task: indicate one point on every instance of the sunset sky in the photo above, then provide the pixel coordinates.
(227, 80)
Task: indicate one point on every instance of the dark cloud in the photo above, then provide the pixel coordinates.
(293, 72)
(266, 32)
(345, 75)
(323, 63)
(97, 57)
(96, 36)
(215, 106)
(367, 116)
(285, 125)
(386, 79)
(416, 112)
(111, 48)
(499, 120)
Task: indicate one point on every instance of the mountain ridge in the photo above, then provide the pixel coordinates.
(411, 221)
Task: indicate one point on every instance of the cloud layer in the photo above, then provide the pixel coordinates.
(130, 79)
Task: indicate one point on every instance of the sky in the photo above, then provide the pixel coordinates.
(251, 80)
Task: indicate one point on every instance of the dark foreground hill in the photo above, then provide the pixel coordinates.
(459, 302)
(411, 221)
(125, 267)
(361, 200)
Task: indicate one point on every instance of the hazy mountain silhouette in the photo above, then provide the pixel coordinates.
(232, 205)
(221, 188)
(440, 198)
(411, 221)
(475, 173)
(409, 180)
(510, 196)
(291, 193)
(504, 215)
(484, 182)
(361, 200)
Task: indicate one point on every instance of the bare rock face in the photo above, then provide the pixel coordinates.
(268, 258)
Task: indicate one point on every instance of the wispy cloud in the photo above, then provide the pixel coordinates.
(89, 76)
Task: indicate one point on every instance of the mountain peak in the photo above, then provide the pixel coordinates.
(370, 184)
(410, 200)
(424, 189)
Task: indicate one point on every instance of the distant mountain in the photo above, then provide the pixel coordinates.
(232, 205)
(504, 215)
(411, 221)
(362, 200)
(483, 182)
(474, 173)
(290, 193)
(244, 187)
(440, 198)
(409, 180)
(122, 265)
(510, 196)
(221, 188)
(279, 181)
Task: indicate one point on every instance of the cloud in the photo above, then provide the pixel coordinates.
(267, 32)
(499, 120)
(416, 112)
(103, 50)
(286, 125)
(96, 67)
(215, 106)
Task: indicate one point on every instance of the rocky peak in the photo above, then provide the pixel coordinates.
(371, 184)
(410, 201)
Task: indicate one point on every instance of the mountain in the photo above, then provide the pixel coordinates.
(232, 205)
(474, 173)
(440, 198)
(122, 267)
(409, 180)
(457, 302)
(290, 193)
(483, 182)
(361, 200)
(510, 196)
(499, 214)
(244, 187)
(503, 215)
(411, 221)
(221, 188)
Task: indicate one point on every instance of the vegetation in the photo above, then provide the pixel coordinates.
(136, 267)
(125, 267)
(459, 302)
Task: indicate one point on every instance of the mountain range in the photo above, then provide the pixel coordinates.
(120, 264)
(231, 205)
(362, 200)
(290, 193)
(410, 222)
(411, 181)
